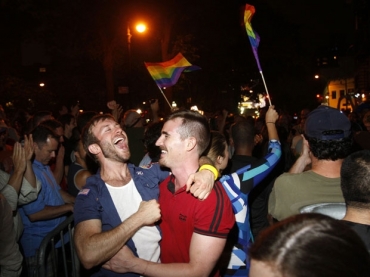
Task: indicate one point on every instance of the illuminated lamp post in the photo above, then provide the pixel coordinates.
(140, 28)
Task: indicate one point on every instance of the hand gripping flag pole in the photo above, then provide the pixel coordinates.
(167, 73)
(254, 40)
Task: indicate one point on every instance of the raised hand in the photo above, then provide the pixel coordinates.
(111, 104)
(19, 158)
(271, 115)
(29, 147)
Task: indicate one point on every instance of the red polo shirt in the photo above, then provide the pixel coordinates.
(183, 214)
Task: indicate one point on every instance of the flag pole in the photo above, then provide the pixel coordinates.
(264, 83)
(165, 97)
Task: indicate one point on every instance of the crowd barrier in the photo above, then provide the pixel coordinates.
(57, 255)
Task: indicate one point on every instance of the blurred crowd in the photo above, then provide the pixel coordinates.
(44, 166)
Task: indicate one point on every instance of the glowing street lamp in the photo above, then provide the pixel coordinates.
(139, 28)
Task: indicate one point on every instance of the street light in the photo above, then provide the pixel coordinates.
(139, 28)
(327, 88)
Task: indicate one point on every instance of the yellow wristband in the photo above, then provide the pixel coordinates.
(210, 168)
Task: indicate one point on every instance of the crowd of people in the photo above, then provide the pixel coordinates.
(187, 194)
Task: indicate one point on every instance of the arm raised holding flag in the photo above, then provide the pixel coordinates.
(254, 40)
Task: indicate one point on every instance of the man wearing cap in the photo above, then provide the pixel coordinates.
(326, 143)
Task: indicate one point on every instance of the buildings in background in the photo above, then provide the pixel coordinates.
(345, 73)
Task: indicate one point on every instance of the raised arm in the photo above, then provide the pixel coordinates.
(23, 180)
(59, 165)
(271, 117)
(303, 160)
(29, 149)
(19, 161)
(116, 110)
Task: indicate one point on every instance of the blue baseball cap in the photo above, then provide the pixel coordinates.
(326, 123)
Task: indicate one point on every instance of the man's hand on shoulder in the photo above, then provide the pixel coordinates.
(200, 184)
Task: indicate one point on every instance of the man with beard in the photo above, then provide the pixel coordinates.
(118, 206)
(193, 232)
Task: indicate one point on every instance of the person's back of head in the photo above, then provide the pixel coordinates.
(242, 134)
(355, 179)
(309, 245)
(217, 150)
(328, 131)
(193, 125)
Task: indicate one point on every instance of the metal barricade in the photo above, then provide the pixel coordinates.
(49, 253)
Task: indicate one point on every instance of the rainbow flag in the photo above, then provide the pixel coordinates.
(253, 36)
(167, 74)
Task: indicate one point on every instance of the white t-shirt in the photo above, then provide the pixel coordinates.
(127, 200)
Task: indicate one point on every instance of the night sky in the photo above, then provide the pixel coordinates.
(211, 34)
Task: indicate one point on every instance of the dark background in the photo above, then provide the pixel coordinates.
(81, 43)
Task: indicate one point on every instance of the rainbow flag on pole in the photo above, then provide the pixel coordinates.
(167, 73)
(253, 36)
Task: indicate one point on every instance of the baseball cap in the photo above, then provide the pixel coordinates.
(326, 123)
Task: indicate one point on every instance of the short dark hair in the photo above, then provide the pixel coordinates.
(87, 135)
(41, 133)
(355, 179)
(312, 245)
(330, 149)
(52, 124)
(242, 133)
(193, 125)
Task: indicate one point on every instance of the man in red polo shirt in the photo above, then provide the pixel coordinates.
(194, 232)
